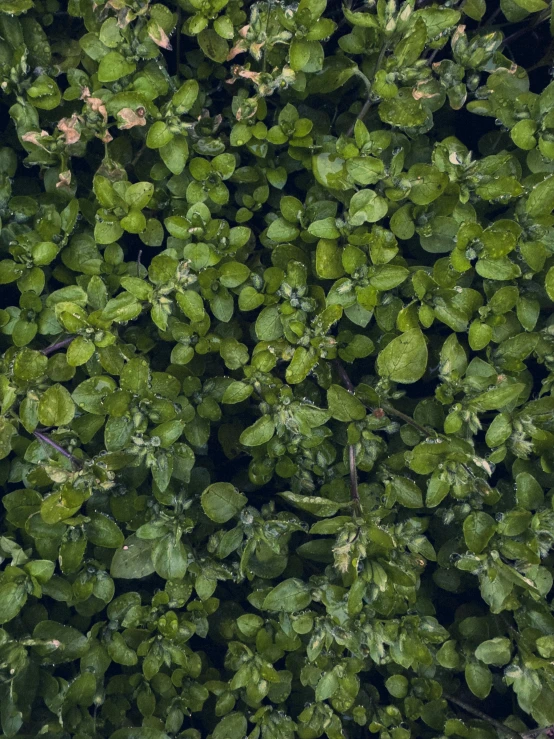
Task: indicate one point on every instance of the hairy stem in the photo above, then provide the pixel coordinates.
(494, 16)
(138, 155)
(544, 16)
(368, 103)
(548, 732)
(407, 419)
(483, 716)
(389, 410)
(58, 345)
(178, 42)
(344, 377)
(50, 442)
(354, 492)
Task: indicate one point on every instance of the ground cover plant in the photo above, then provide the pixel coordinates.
(277, 358)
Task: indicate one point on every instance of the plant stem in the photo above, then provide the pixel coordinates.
(361, 75)
(138, 262)
(344, 377)
(354, 492)
(138, 155)
(494, 16)
(483, 716)
(544, 16)
(368, 103)
(178, 42)
(407, 419)
(548, 731)
(361, 115)
(58, 345)
(432, 57)
(47, 440)
(385, 407)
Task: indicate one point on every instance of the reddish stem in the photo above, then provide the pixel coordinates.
(47, 440)
(58, 345)
(354, 492)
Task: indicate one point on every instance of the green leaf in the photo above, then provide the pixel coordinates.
(288, 596)
(522, 135)
(313, 504)
(302, 363)
(388, 276)
(44, 93)
(186, 95)
(142, 732)
(324, 229)
(268, 324)
(89, 395)
(158, 135)
(236, 392)
(397, 685)
(168, 432)
(334, 73)
(281, 230)
(365, 20)
(404, 359)
(498, 397)
(367, 206)
(541, 199)
(191, 304)
(427, 182)
(233, 274)
(79, 351)
(497, 651)
(124, 307)
(61, 643)
(533, 6)
(56, 407)
(403, 110)
(479, 528)
(16, 7)
(221, 501)
(478, 679)
(327, 686)
(7, 432)
(13, 597)
(169, 557)
(231, 726)
(81, 691)
(10, 271)
(529, 494)
(139, 195)
(134, 222)
(447, 656)
(405, 492)
(328, 260)
(103, 532)
(259, 433)
(175, 153)
(545, 646)
(343, 405)
(114, 66)
(213, 46)
(549, 283)
(133, 560)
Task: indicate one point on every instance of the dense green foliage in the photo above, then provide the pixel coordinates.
(277, 337)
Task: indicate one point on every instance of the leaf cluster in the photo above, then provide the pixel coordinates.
(277, 361)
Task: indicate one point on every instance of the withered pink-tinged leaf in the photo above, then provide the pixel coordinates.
(130, 118)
